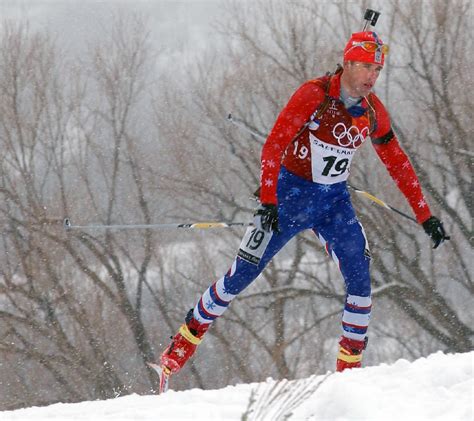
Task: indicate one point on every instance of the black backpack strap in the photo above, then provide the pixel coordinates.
(384, 139)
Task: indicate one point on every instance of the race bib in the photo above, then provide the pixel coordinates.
(329, 164)
(254, 244)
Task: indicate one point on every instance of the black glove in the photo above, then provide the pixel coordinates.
(268, 216)
(434, 228)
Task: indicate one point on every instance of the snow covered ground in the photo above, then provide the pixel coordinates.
(440, 387)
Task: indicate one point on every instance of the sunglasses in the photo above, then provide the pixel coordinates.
(371, 47)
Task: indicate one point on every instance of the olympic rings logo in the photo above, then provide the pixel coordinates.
(349, 136)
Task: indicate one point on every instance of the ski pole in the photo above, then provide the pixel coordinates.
(381, 202)
(241, 124)
(193, 225)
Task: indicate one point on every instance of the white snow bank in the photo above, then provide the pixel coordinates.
(437, 388)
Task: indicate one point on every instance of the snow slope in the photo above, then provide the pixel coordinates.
(440, 387)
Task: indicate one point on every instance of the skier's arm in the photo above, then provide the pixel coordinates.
(398, 165)
(291, 119)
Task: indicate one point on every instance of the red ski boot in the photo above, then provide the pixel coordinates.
(350, 353)
(183, 344)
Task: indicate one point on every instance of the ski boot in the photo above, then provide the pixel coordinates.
(183, 344)
(350, 353)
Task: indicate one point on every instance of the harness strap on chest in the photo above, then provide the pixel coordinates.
(325, 104)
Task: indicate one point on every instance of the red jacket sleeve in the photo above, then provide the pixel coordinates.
(294, 115)
(397, 163)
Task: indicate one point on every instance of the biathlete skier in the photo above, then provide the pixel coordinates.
(305, 163)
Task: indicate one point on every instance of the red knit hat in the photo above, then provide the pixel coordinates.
(373, 52)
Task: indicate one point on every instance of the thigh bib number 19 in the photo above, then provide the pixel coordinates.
(253, 244)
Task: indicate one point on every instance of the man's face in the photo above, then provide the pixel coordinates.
(359, 77)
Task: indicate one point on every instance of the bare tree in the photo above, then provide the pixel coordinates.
(73, 304)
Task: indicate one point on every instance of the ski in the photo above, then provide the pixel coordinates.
(164, 374)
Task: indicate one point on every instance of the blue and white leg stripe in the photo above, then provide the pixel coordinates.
(356, 316)
(212, 303)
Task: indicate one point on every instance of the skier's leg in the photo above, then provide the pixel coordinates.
(220, 294)
(215, 301)
(344, 239)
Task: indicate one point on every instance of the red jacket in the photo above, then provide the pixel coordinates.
(322, 150)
